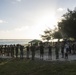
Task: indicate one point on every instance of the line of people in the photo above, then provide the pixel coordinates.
(33, 48)
(11, 50)
(15, 50)
(66, 48)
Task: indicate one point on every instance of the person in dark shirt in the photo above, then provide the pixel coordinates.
(8, 50)
(50, 52)
(12, 50)
(16, 50)
(1, 49)
(62, 49)
(33, 51)
(27, 49)
(21, 51)
(41, 51)
(57, 50)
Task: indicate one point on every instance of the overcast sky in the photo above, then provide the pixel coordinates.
(27, 19)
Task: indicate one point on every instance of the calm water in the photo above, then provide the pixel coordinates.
(14, 41)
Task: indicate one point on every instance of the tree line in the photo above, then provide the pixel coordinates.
(66, 28)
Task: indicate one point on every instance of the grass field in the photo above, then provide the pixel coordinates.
(37, 67)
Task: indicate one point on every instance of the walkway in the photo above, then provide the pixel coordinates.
(70, 57)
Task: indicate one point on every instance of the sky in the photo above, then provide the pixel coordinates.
(27, 19)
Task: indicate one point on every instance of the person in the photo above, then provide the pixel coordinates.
(12, 50)
(57, 50)
(16, 50)
(27, 49)
(33, 51)
(0, 49)
(70, 47)
(62, 49)
(1, 46)
(8, 50)
(5, 49)
(66, 50)
(21, 51)
(73, 48)
(50, 51)
(41, 51)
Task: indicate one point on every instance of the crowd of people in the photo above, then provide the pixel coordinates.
(66, 48)
(11, 50)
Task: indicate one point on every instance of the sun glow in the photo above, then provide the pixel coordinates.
(44, 22)
(48, 20)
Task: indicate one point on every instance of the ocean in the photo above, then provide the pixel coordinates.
(14, 41)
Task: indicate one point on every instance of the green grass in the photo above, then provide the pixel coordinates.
(37, 67)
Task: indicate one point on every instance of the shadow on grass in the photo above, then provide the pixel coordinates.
(36, 67)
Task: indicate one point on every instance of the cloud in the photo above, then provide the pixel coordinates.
(1, 21)
(15, 1)
(60, 9)
(18, 0)
(23, 28)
